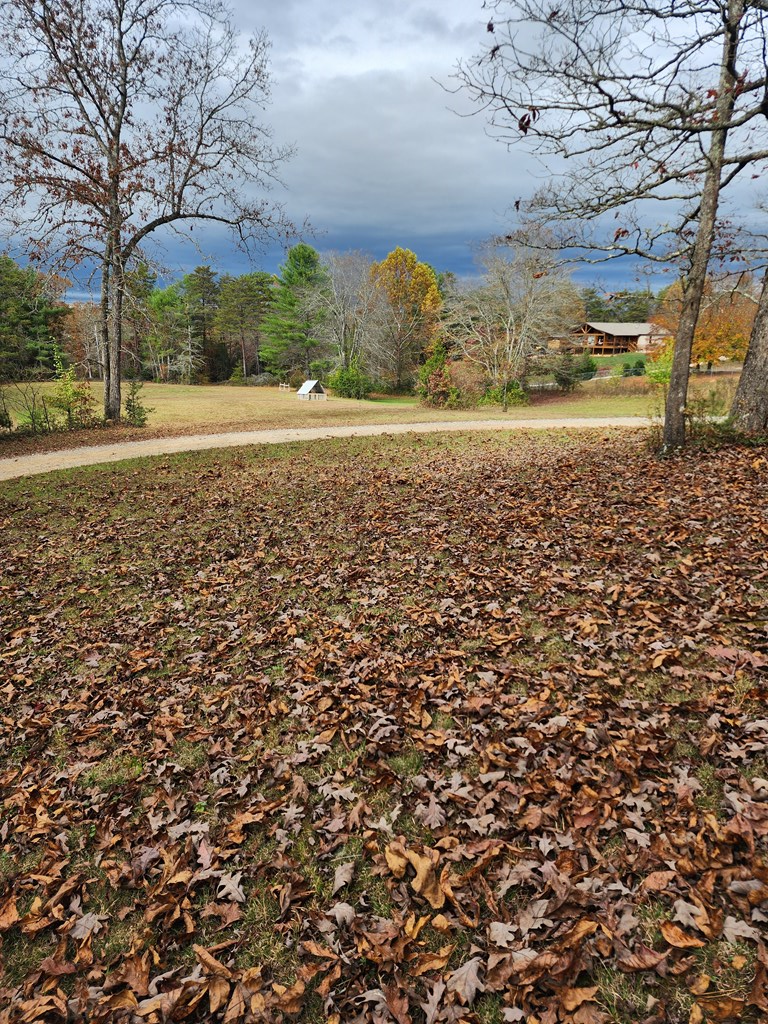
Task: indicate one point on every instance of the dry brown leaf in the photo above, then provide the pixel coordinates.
(699, 984)
(675, 936)
(9, 915)
(125, 1000)
(397, 1003)
(426, 883)
(657, 881)
(641, 958)
(572, 998)
(720, 1007)
(210, 963)
(465, 981)
(396, 859)
(289, 1000)
(436, 961)
(218, 993)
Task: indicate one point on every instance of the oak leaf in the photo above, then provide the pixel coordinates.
(733, 930)
(465, 981)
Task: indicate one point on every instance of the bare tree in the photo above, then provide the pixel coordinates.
(122, 117)
(521, 304)
(647, 103)
(349, 304)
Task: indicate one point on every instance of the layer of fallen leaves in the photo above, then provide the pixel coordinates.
(462, 729)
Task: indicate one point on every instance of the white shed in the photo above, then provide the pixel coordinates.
(311, 389)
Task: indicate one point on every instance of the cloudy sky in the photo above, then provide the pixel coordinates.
(383, 155)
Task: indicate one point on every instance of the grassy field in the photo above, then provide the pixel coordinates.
(179, 406)
(454, 728)
(179, 409)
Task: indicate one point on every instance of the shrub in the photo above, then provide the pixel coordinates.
(6, 423)
(630, 369)
(659, 370)
(353, 382)
(436, 361)
(73, 397)
(437, 388)
(469, 379)
(564, 372)
(512, 394)
(135, 411)
(704, 409)
(237, 376)
(585, 367)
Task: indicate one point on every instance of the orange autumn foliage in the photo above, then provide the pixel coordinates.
(725, 320)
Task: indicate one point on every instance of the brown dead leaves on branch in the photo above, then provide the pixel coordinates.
(394, 730)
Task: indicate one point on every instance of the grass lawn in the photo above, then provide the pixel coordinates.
(188, 407)
(454, 728)
(180, 409)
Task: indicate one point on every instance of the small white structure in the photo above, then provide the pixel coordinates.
(311, 389)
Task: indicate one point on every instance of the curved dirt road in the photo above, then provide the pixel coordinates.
(70, 458)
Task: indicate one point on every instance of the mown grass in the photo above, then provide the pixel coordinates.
(187, 408)
(179, 410)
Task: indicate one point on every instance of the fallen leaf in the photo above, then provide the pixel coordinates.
(343, 876)
(572, 998)
(720, 1007)
(465, 981)
(675, 936)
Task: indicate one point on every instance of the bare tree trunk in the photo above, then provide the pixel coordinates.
(104, 347)
(112, 395)
(674, 418)
(750, 404)
(677, 394)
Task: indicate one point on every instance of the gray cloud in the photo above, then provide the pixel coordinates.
(382, 156)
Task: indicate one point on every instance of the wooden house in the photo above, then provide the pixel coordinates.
(607, 339)
(311, 390)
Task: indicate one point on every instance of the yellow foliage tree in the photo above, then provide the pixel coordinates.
(725, 320)
(410, 309)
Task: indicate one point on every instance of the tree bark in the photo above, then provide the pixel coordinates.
(112, 392)
(104, 332)
(749, 411)
(674, 417)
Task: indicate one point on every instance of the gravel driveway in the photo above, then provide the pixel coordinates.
(46, 462)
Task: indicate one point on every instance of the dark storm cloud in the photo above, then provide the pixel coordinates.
(382, 158)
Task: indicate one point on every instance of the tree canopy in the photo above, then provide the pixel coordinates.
(646, 105)
(122, 117)
(291, 329)
(411, 308)
(30, 318)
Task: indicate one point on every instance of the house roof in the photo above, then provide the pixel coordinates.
(619, 330)
(309, 386)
